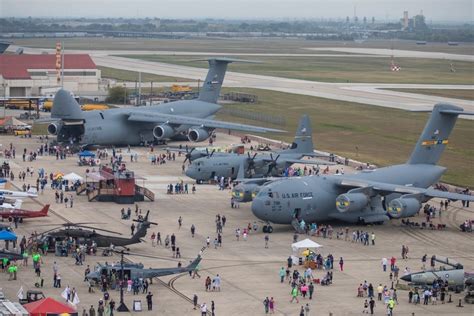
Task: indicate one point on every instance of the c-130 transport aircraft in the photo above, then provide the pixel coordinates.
(138, 125)
(375, 196)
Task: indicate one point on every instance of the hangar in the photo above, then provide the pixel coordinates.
(34, 75)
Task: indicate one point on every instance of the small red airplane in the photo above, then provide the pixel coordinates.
(20, 213)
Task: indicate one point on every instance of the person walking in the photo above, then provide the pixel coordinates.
(195, 301)
(371, 305)
(267, 238)
(272, 305)
(341, 264)
(282, 274)
(149, 301)
(294, 294)
(311, 290)
(372, 237)
(204, 309)
(266, 305)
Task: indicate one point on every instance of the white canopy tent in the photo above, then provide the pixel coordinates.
(304, 244)
(73, 177)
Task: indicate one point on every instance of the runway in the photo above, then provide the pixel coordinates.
(366, 93)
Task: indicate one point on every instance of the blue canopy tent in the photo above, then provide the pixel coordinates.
(86, 153)
(7, 235)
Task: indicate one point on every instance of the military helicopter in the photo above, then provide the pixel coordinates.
(90, 235)
(137, 270)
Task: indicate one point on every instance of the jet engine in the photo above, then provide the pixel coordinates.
(163, 131)
(351, 202)
(403, 207)
(53, 128)
(198, 134)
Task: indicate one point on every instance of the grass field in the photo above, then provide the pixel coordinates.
(383, 136)
(344, 69)
(447, 93)
(235, 45)
(125, 75)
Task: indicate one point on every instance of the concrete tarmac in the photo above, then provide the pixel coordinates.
(249, 271)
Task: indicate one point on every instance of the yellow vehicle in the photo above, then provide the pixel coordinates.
(22, 132)
(180, 88)
(47, 105)
(21, 104)
(92, 107)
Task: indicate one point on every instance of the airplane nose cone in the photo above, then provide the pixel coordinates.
(259, 209)
(189, 172)
(406, 278)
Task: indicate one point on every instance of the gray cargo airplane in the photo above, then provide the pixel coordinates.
(134, 126)
(369, 197)
(246, 166)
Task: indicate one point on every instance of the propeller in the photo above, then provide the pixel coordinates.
(272, 164)
(207, 152)
(78, 225)
(251, 162)
(188, 154)
(145, 219)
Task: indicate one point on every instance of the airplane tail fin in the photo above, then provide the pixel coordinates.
(215, 77)
(434, 137)
(44, 210)
(195, 263)
(65, 106)
(303, 142)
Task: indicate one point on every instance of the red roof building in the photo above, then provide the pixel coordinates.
(28, 75)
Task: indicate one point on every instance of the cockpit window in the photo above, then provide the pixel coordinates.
(270, 194)
(293, 146)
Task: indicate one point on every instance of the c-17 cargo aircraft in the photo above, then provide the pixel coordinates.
(138, 125)
(369, 197)
(231, 165)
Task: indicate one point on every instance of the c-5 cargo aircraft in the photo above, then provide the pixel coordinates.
(138, 125)
(234, 166)
(369, 197)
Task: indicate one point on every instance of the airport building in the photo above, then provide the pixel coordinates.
(36, 75)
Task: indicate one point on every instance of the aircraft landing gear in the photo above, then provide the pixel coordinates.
(267, 228)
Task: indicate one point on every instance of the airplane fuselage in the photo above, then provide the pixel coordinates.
(228, 165)
(113, 127)
(313, 198)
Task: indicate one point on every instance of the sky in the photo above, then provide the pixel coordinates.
(434, 10)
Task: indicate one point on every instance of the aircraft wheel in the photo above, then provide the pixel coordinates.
(270, 229)
(265, 228)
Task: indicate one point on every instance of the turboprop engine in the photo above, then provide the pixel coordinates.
(351, 202)
(163, 131)
(404, 207)
(198, 134)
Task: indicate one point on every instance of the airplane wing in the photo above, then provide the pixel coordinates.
(309, 162)
(138, 116)
(387, 188)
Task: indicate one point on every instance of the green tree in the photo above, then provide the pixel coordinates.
(116, 95)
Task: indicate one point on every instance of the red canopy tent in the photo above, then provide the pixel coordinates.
(49, 306)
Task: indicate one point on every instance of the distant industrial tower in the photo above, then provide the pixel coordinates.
(405, 20)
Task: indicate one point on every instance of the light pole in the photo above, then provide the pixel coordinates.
(122, 307)
(4, 86)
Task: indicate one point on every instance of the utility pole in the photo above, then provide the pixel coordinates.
(139, 88)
